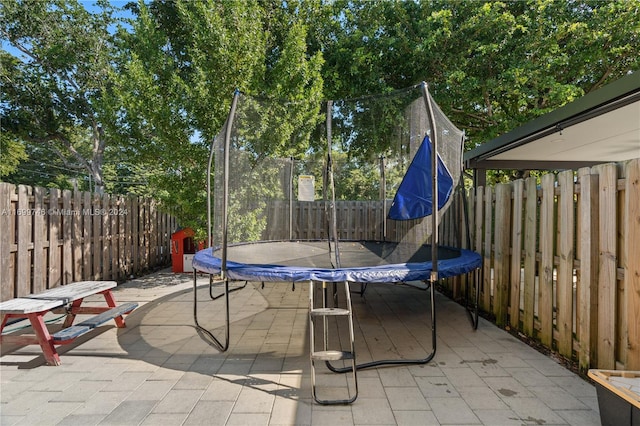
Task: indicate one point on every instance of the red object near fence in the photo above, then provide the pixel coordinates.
(183, 246)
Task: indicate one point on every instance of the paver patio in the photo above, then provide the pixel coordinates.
(161, 370)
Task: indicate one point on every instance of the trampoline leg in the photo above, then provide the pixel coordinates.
(222, 347)
(429, 357)
(212, 297)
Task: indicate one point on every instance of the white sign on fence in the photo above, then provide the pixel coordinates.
(306, 188)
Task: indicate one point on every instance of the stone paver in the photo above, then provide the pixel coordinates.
(161, 370)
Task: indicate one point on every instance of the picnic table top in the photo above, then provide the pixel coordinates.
(54, 297)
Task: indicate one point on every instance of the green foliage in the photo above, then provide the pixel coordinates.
(12, 152)
(54, 91)
(491, 66)
(183, 60)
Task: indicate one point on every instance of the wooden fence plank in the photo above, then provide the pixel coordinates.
(128, 232)
(479, 218)
(478, 208)
(96, 243)
(162, 233)
(6, 264)
(114, 218)
(621, 302)
(545, 304)
(501, 259)
(471, 202)
(87, 229)
(588, 284)
(40, 259)
(530, 239)
(153, 236)
(125, 237)
(55, 274)
(135, 233)
(455, 239)
(77, 236)
(632, 267)
(488, 249)
(146, 223)
(607, 271)
(23, 261)
(66, 216)
(106, 238)
(516, 253)
(566, 222)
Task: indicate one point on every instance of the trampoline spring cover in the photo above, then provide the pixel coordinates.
(259, 262)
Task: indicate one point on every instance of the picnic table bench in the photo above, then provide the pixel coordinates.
(68, 300)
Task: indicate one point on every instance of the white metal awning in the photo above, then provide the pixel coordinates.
(602, 126)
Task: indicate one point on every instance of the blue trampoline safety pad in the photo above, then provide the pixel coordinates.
(463, 262)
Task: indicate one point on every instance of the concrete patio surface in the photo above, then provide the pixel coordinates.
(161, 370)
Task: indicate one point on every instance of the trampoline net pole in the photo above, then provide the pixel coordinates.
(291, 198)
(383, 195)
(434, 184)
(332, 188)
(225, 204)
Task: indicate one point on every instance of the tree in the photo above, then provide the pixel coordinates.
(182, 62)
(54, 90)
(12, 152)
(491, 65)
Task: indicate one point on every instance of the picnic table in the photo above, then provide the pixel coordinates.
(68, 299)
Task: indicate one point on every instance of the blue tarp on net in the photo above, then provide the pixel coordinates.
(414, 198)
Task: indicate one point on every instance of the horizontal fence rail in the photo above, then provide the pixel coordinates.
(51, 237)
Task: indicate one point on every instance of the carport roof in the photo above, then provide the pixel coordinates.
(602, 126)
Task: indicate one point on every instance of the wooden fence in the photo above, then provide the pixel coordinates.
(50, 237)
(562, 260)
(356, 220)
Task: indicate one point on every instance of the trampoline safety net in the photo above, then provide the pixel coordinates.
(355, 169)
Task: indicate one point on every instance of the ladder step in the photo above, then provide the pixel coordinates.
(331, 355)
(324, 312)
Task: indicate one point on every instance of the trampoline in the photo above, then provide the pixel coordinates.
(268, 222)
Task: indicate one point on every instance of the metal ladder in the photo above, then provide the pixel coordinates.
(323, 313)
